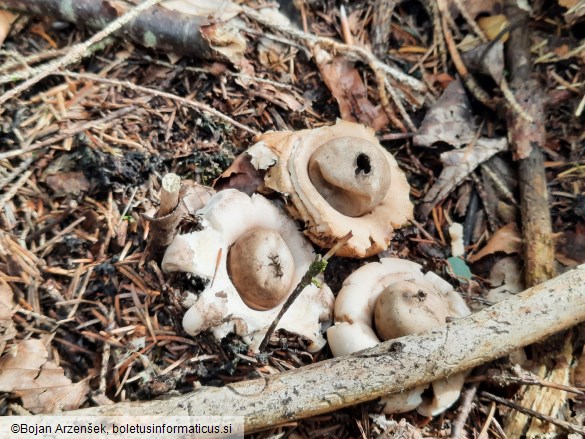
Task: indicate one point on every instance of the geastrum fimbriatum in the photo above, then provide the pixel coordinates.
(391, 299)
(253, 256)
(337, 179)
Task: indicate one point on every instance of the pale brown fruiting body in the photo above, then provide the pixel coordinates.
(253, 256)
(359, 178)
(388, 300)
(261, 268)
(408, 307)
(336, 179)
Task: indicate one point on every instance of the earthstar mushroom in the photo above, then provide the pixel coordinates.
(390, 299)
(253, 256)
(337, 179)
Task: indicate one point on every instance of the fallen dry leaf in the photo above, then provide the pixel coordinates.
(571, 247)
(40, 383)
(506, 277)
(492, 26)
(457, 165)
(68, 183)
(6, 20)
(489, 63)
(241, 175)
(506, 239)
(448, 120)
(346, 86)
(7, 330)
(287, 100)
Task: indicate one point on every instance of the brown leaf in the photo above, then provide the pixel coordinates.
(346, 86)
(571, 247)
(448, 120)
(6, 20)
(287, 100)
(241, 175)
(458, 164)
(68, 183)
(506, 239)
(7, 329)
(41, 384)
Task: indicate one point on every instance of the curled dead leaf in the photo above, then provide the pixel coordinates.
(457, 165)
(241, 175)
(40, 383)
(506, 239)
(448, 120)
(7, 329)
(348, 89)
(68, 183)
(6, 20)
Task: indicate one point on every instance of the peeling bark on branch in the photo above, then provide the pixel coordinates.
(387, 368)
(526, 138)
(158, 28)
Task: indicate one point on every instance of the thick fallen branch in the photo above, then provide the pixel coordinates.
(526, 138)
(387, 368)
(160, 28)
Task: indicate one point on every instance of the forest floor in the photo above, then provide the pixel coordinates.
(84, 149)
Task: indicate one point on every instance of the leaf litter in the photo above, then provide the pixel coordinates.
(124, 307)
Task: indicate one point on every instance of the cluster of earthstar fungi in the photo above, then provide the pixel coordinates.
(333, 180)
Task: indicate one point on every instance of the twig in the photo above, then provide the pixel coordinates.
(66, 133)
(21, 75)
(470, 20)
(14, 189)
(169, 194)
(563, 424)
(353, 53)
(387, 368)
(15, 172)
(381, 26)
(527, 378)
(467, 78)
(483, 433)
(26, 61)
(78, 51)
(465, 406)
(151, 91)
(526, 140)
(317, 267)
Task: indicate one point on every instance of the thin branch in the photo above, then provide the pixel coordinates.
(387, 368)
(79, 51)
(151, 91)
(316, 268)
(558, 422)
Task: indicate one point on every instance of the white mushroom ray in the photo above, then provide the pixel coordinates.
(354, 328)
(354, 168)
(220, 308)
